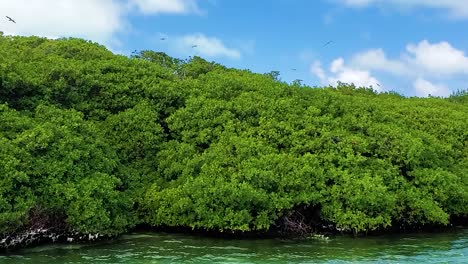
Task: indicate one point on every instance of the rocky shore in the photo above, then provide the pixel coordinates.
(39, 236)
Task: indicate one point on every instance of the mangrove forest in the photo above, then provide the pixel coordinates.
(97, 143)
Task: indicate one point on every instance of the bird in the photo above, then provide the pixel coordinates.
(294, 69)
(378, 84)
(328, 43)
(163, 38)
(194, 46)
(10, 19)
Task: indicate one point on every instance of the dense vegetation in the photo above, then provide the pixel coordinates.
(105, 142)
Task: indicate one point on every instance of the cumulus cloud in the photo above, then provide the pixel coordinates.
(455, 8)
(418, 63)
(166, 6)
(375, 59)
(103, 20)
(98, 20)
(206, 46)
(425, 88)
(437, 59)
(317, 70)
(339, 72)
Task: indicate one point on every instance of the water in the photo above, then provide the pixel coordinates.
(450, 247)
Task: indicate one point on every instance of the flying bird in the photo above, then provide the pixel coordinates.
(294, 69)
(163, 38)
(328, 43)
(194, 46)
(10, 19)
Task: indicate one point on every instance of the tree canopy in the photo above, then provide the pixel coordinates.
(108, 142)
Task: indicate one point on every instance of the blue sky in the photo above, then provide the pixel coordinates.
(414, 47)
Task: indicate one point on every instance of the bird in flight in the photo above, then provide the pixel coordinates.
(294, 69)
(194, 46)
(10, 19)
(163, 38)
(328, 43)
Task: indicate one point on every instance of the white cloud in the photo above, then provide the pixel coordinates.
(439, 58)
(103, 20)
(337, 65)
(205, 46)
(376, 59)
(455, 8)
(339, 72)
(426, 88)
(416, 64)
(357, 3)
(425, 58)
(98, 20)
(317, 70)
(166, 6)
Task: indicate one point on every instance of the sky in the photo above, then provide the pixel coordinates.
(413, 47)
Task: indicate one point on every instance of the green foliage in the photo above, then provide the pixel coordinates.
(110, 142)
(16, 193)
(459, 96)
(58, 161)
(274, 75)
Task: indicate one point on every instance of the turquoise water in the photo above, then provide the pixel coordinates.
(449, 247)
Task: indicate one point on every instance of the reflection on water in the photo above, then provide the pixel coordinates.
(451, 247)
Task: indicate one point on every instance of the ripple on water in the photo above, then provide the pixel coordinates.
(173, 241)
(166, 248)
(127, 255)
(210, 258)
(228, 248)
(195, 247)
(160, 248)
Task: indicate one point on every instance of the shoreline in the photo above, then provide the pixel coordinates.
(41, 236)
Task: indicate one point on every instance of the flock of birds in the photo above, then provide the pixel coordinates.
(194, 46)
(293, 69)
